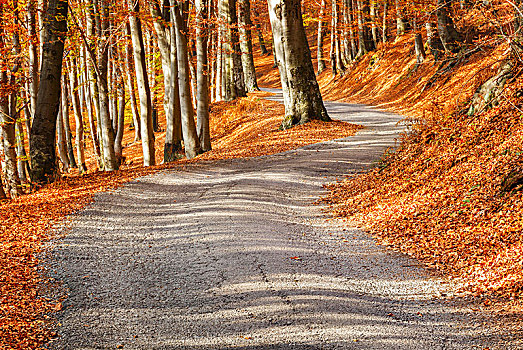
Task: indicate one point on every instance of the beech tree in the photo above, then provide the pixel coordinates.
(43, 129)
(142, 80)
(302, 97)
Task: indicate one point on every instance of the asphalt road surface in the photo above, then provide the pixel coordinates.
(233, 255)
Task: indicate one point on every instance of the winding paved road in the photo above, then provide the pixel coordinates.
(232, 255)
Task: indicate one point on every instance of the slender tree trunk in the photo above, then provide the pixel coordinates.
(202, 91)
(43, 128)
(190, 136)
(130, 85)
(105, 125)
(7, 124)
(118, 149)
(144, 92)
(384, 23)
(66, 123)
(302, 95)
(173, 133)
(247, 58)
(374, 21)
(234, 84)
(362, 48)
(80, 154)
(33, 57)
(60, 141)
(319, 52)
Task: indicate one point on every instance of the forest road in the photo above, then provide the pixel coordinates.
(233, 255)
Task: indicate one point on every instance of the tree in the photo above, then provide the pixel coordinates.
(202, 69)
(190, 137)
(142, 81)
(247, 59)
(43, 129)
(302, 95)
(321, 34)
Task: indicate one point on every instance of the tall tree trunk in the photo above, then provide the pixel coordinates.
(247, 59)
(7, 123)
(202, 91)
(374, 21)
(73, 78)
(33, 57)
(61, 142)
(118, 149)
(190, 136)
(105, 124)
(43, 129)
(362, 48)
(130, 86)
(144, 92)
(173, 133)
(384, 23)
(21, 154)
(234, 85)
(302, 99)
(450, 37)
(67, 124)
(319, 52)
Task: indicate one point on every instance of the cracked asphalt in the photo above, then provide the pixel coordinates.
(233, 255)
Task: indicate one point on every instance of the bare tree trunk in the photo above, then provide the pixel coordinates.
(173, 134)
(302, 95)
(319, 52)
(144, 92)
(7, 123)
(104, 122)
(66, 124)
(247, 59)
(234, 85)
(384, 23)
(130, 86)
(374, 21)
(43, 128)
(21, 154)
(33, 57)
(60, 141)
(202, 91)
(190, 137)
(118, 149)
(78, 115)
(219, 64)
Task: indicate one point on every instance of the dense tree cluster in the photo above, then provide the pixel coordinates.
(95, 61)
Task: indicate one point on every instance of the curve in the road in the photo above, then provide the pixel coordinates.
(232, 255)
